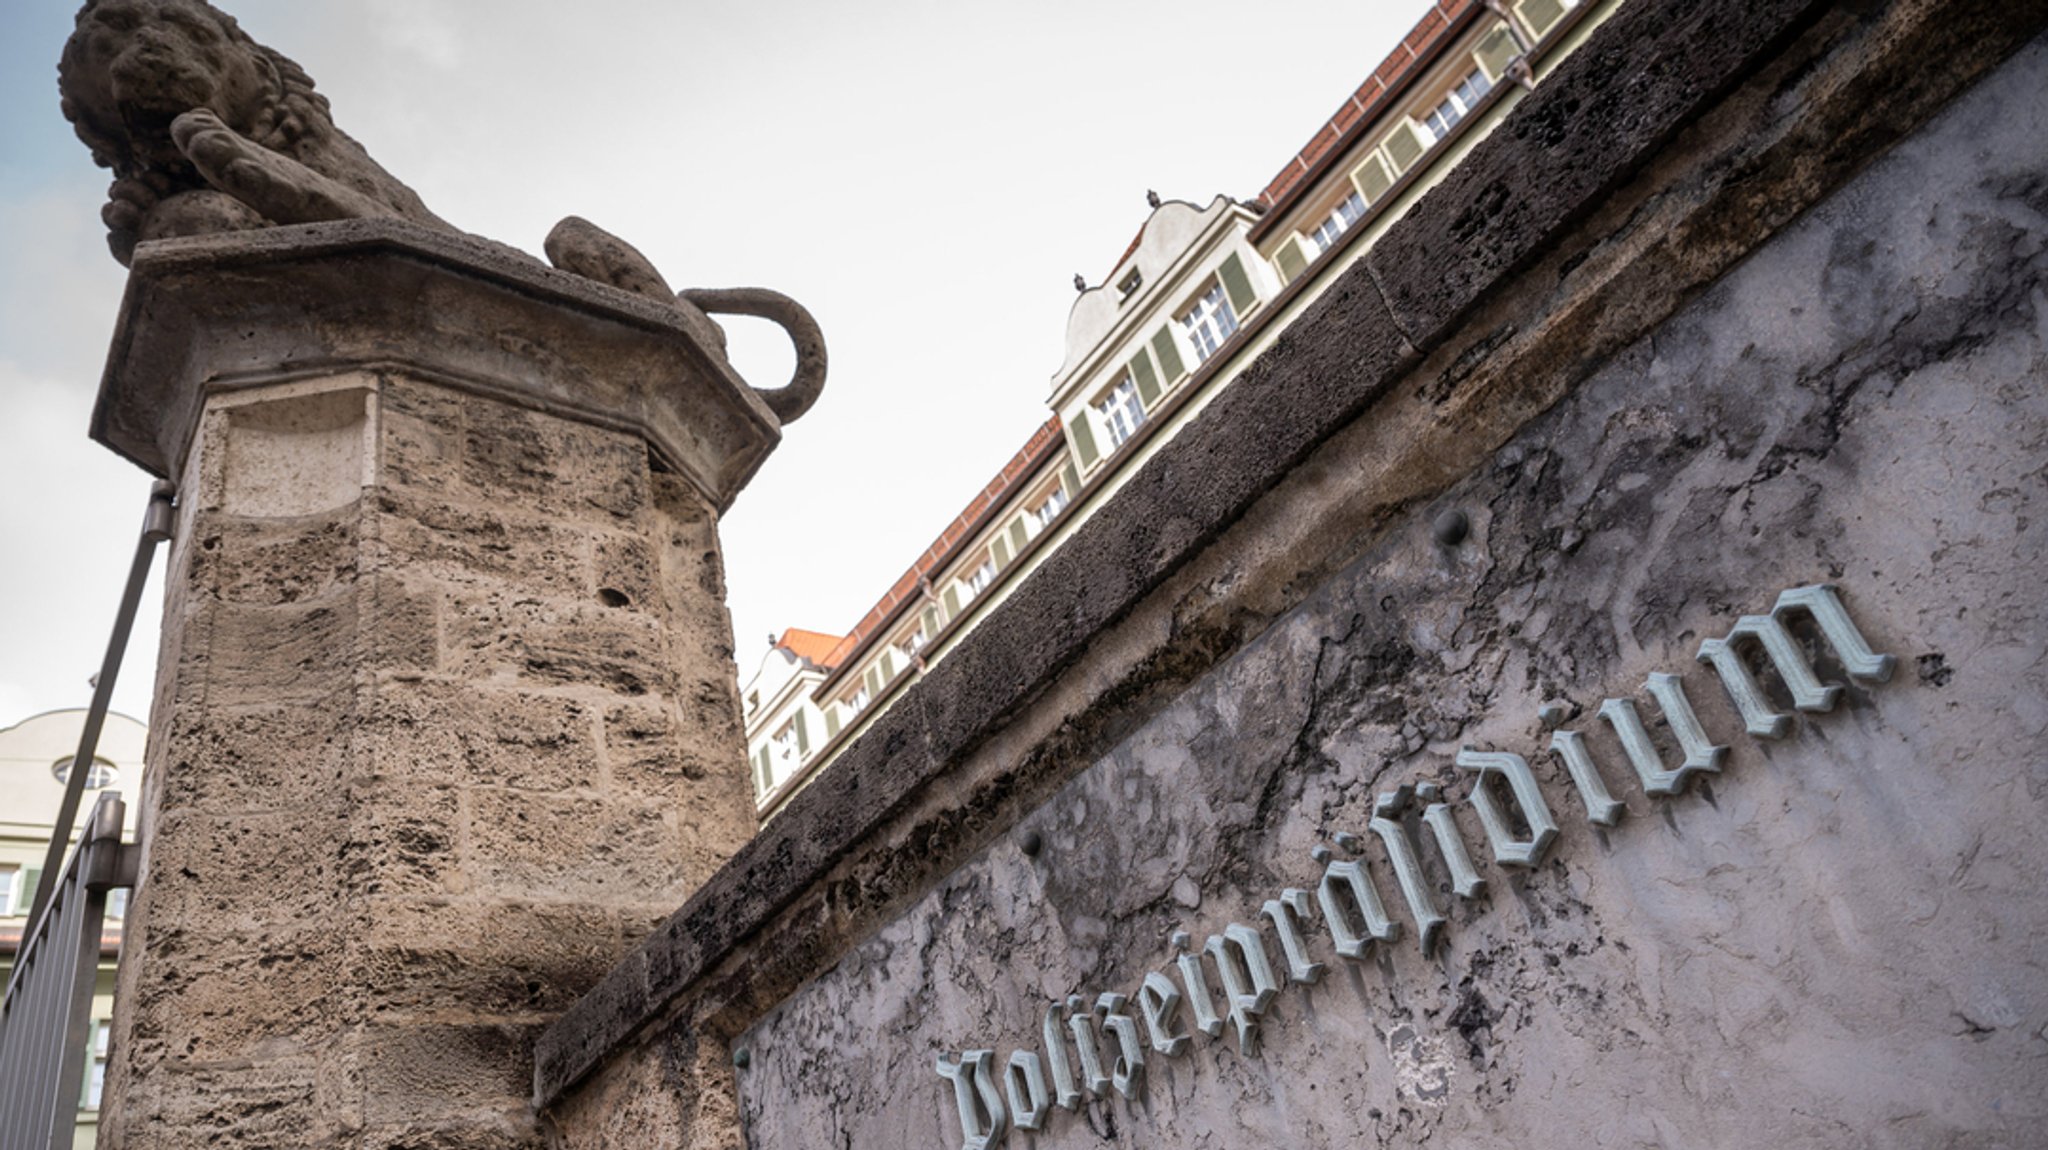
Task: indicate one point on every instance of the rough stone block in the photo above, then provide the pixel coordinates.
(265, 757)
(469, 541)
(445, 731)
(550, 465)
(609, 849)
(274, 561)
(459, 957)
(502, 636)
(294, 652)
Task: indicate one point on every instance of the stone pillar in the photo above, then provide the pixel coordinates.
(446, 715)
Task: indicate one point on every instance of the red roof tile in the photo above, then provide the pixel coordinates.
(1376, 95)
(908, 585)
(811, 646)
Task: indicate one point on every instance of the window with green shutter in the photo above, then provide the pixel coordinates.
(803, 735)
(1001, 550)
(831, 720)
(1497, 51)
(1289, 259)
(1070, 479)
(1237, 284)
(1372, 178)
(1019, 535)
(952, 600)
(1541, 15)
(1169, 356)
(873, 678)
(764, 775)
(931, 620)
(888, 666)
(1148, 381)
(1082, 437)
(1403, 146)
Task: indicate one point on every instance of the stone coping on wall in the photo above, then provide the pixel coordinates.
(1539, 255)
(206, 314)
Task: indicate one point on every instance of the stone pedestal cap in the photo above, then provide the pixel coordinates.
(209, 314)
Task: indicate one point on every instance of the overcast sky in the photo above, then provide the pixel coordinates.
(926, 177)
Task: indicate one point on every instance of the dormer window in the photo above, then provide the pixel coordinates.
(1457, 104)
(1346, 213)
(1122, 411)
(1129, 285)
(978, 579)
(1209, 322)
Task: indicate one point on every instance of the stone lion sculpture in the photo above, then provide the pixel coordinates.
(207, 131)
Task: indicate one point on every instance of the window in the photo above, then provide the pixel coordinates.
(1048, 509)
(912, 643)
(13, 899)
(102, 774)
(1128, 286)
(978, 579)
(1341, 218)
(856, 702)
(784, 753)
(1209, 322)
(1457, 104)
(1122, 411)
(96, 1074)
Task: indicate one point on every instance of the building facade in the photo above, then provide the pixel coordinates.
(35, 761)
(1201, 289)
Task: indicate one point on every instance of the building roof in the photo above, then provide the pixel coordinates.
(960, 532)
(1388, 83)
(811, 646)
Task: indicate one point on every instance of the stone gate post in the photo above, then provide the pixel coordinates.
(446, 711)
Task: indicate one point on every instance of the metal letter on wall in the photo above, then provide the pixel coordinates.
(1029, 1106)
(1284, 911)
(983, 1121)
(1386, 813)
(1248, 982)
(1449, 843)
(1127, 1073)
(1701, 755)
(1350, 877)
(1064, 1092)
(1206, 1019)
(1808, 692)
(1507, 849)
(1602, 809)
(1081, 1021)
(1159, 1002)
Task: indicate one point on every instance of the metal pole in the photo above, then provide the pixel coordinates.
(156, 527)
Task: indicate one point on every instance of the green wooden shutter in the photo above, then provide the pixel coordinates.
(873, 678)
(1497, 51)
(26, 898)
(831, 719)
(1169, 355)
(763, 773)
(803, 736)
(952, 600)
(931, 622)
(1070, 479)
(1403, 146)
(1147, 381)
(1082, 437)
(1541, 14)
(1289, 259)
(1237, 284)
(1000, 550)
(888, 666)
(1372, 178)
(1019, 536)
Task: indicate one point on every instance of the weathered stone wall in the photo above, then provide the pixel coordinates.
(1585, 338)
(1836, 940)
(446, 721)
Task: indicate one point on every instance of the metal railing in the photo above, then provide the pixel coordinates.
(46, 1015)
